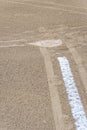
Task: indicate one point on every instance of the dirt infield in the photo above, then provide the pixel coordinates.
(33, 95)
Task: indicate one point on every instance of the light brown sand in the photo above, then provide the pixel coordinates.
(32, 91)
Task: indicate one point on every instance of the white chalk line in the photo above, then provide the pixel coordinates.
(44, 43)
(14, 45)
(50, 7)
(73, 95)
(17, 40)
(47, 43)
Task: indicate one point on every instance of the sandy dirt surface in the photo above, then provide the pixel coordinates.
(32, 90)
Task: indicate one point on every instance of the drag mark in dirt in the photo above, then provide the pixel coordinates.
(48, 7)
(55, 100)
(78, 61)
(73, 95)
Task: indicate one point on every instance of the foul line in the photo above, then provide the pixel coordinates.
(17, 40)
(14, 45)
(73, 95)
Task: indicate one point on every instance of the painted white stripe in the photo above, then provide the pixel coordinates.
(73, 95)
